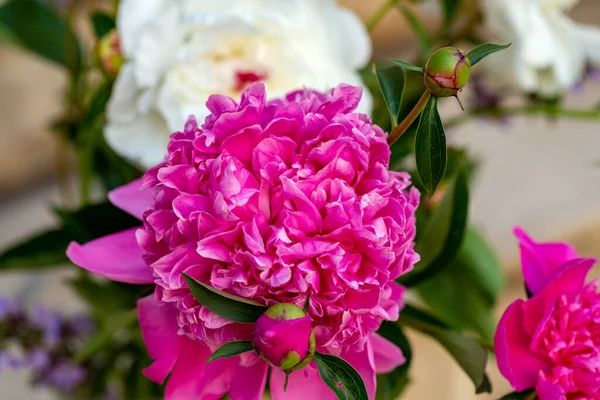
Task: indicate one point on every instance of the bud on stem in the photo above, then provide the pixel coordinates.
(446, 72)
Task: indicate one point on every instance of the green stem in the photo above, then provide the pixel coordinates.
(409, 119)
(380, 14)
(584, 115)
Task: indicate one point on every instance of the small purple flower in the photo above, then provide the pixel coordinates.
(50, 322)
(65, 376)
(37, 359)
(9, 361)
(9, 308)
(82, 325)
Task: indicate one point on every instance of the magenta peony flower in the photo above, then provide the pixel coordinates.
(272, 201)
(551, 342)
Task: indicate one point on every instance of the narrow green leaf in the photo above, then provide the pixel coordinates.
(482, 265)
(41, 30)
(44, 250)
(391, 82)
(418, 28)
(449, 7)
(97, 104)
(103, 23)
(443, 233)
(406, 65)
(111, 328)
(231, 349)
(430, 147)
(341, 377)
(390, 386)
(484, 50)
(485, 386)
(470, 355)
(526, 395)
(233, 308)
(106, 297)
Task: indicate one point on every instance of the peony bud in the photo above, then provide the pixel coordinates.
(447, 72)
(109, 53)
(283, 336)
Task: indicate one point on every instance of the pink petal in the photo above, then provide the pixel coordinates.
(158, 322)
(305, 384)
(516, 362)
(549, 391)
(116, 257)
(364, 362)
(386, 354)
(193, 378)
(540, 260)
(249, 382)
(132, 199)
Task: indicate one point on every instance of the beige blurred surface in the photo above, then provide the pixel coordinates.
(539, 175)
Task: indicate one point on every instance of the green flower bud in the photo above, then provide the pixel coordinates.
(447, 72)
(109, 55)
(283, 336)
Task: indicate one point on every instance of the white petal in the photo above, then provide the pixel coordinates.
(132, 17)
(143, 141)
(589, 36)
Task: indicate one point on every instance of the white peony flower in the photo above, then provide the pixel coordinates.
(179, 52)
(549, 52)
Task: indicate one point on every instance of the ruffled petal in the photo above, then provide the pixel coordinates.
(249, 382)
(549, 391)
(132, 199)
(158, 322)
(116, 257)
(387, 355)
(540, 260)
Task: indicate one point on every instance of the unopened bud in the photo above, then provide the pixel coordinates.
(109, 53)
(447, 72)
(283, 336)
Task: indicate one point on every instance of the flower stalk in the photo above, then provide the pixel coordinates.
(410, 118)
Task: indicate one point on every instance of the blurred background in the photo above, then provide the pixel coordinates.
(539, 174)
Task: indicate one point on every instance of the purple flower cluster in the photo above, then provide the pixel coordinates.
(45, 342)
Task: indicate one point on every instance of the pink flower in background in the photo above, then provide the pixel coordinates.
(272, 201)
(551, 342)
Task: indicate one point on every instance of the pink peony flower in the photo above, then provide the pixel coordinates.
(551, 342)
(272, 201)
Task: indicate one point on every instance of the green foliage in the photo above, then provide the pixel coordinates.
(450, 8)
(406, 65)
(341, 377)
(484, 50)
(526, 395)
(391, 385)
(103, 23)
(38, 28)
(430, 147)
(418, 28)
(468, 353)
(39, 251)
(231, 349)
(443, 232)
(228, 306)
(391, 83)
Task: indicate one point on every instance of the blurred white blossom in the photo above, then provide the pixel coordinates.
(179, 52)
(549, 52)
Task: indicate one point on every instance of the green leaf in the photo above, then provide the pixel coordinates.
(43, 250)
(391, 82)
(526, 395)
(484, 50)
(231, 349)
(406, 65)
(430, 147)
(418, 28)
(443, 233)
(468, 353)
(391, 385)
(94, 221)
(449, 7)
(97, 104)
(105, 297)
(41, 30)
(103, 23)
(482, 265)
(341, 377)
(233, 308)
(116, 324)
